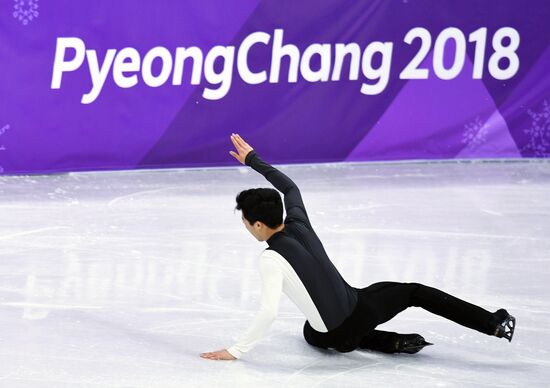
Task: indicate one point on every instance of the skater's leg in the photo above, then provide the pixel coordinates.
(344, 339)
(387, 299)
(381, 341)
(457, 310)
(390, 342)
(315, 338)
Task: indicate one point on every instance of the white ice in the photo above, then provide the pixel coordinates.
(121, 279)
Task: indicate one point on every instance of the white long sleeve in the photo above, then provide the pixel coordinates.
(278, 276)
(272, 287)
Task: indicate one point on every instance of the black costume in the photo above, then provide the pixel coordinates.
(350, 315)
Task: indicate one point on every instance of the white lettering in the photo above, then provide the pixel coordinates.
(182, 54)
(120, 66)
(59, 63)
(99, 75)
(323, 50)
(341, 50)
(382, 73)
(147, 67)
(242, 58)
(160, 66)
(279, 51)
(223, 78)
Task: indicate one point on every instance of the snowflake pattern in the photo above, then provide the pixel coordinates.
(2, 147)
(539, 133)
(25, 10)
(475, 134)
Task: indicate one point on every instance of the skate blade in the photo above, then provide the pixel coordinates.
(412, 349)
(509, 327)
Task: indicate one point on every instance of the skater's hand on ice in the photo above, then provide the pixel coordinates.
(218, 355)
(241, 146)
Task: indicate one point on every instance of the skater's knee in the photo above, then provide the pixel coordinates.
(307, 332)
(310, 335)
(346, 348)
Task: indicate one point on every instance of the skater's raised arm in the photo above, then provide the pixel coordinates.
(294, 204)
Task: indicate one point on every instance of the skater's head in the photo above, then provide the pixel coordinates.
(262, 211)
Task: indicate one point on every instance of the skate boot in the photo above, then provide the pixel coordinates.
(507, 325)
(410, 343)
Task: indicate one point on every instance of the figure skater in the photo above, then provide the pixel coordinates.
(339, 316)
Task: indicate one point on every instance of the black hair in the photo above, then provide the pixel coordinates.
(262, 205)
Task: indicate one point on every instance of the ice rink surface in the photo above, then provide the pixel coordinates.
(121, 279)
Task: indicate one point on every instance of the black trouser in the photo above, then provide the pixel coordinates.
(380, 302)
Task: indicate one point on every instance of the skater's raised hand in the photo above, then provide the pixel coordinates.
(242, 147)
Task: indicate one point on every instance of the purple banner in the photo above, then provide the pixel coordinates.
(116, 85)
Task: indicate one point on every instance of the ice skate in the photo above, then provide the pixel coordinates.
(411, 343)
(507, 326)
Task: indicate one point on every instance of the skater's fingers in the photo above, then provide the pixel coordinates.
(211, 355)
(234, 141)
(238, 144)
(245, 147)
(241, 146)
(241, 140)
